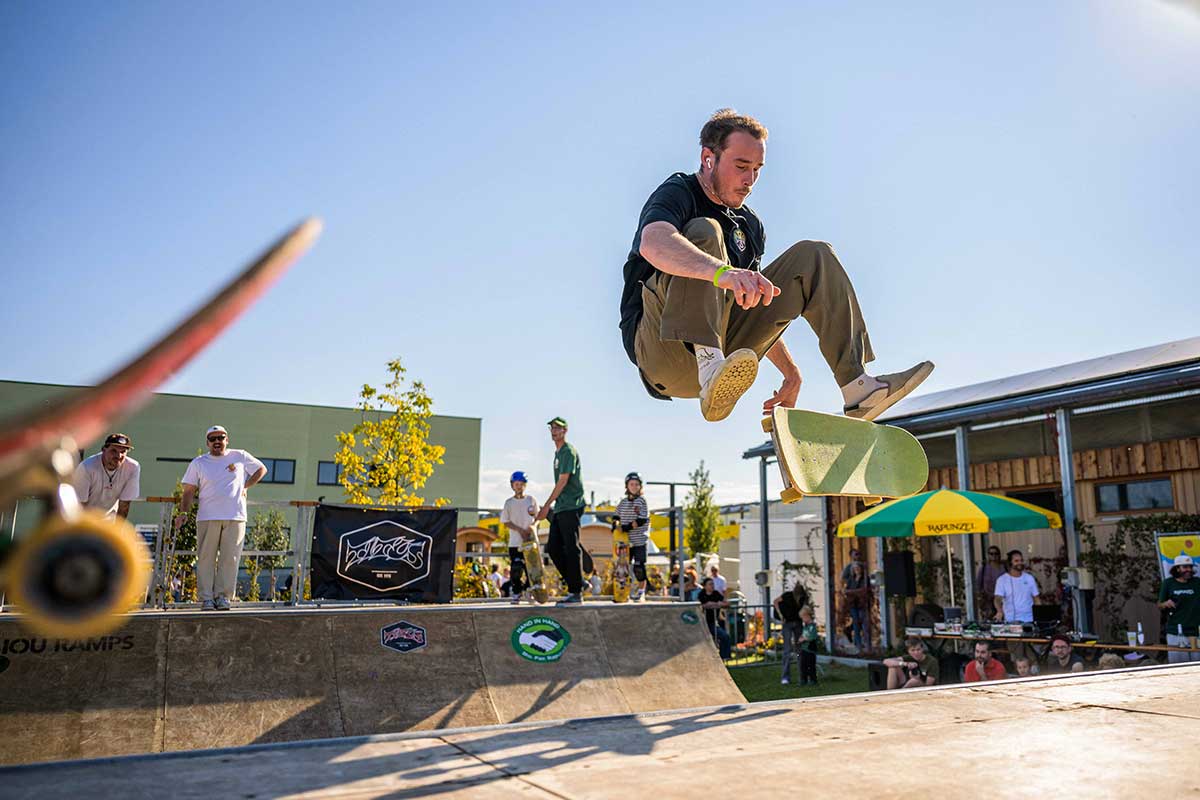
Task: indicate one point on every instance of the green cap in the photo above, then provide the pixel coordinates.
(559, 421)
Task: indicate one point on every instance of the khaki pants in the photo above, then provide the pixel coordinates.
(219, 546)
(813, 285)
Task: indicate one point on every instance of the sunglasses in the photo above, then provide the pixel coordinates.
(216, 438)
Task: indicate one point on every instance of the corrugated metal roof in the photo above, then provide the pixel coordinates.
(1132, 361)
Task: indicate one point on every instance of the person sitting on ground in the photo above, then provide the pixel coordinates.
(1112, 661)
(983, 667)
(809, 635)
(1061, 659)
(1024, 667)
(918, 668)
(712, 602)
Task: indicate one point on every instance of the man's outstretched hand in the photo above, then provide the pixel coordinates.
(785, 395)
(748, 287)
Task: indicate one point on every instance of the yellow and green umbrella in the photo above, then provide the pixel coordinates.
(948, 511)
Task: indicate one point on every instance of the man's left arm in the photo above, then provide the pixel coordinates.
(133, 488)
(260, 471)
(786, 395)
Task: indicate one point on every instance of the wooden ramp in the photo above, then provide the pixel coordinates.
(186, 680)
(1129, 733)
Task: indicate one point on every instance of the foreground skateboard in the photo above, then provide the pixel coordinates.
(535, 572)
(621, 571)
(78, 571)
(826, 454)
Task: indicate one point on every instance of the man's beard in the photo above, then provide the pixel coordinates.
(718, 189)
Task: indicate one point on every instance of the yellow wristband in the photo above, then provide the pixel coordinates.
(721, 271)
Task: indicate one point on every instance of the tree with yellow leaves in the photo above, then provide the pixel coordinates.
(387, 455)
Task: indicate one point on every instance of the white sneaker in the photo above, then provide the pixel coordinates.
(727, 383)
(895, 387)
(784, 682)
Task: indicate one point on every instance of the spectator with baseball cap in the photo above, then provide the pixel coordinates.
(568, 503)
(634, 516)
(1180, 597)
(517, 515)
(222, 477)
(108, 480)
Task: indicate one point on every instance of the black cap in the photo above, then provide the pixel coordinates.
(633, 476)
(118, 439)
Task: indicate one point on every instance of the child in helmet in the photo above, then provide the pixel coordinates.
(634, 516)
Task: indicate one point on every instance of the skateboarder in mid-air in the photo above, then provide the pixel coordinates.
(698, 311)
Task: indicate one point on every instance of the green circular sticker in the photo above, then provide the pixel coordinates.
(540, 639)
(690, 617)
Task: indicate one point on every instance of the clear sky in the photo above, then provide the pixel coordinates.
(1010, 185)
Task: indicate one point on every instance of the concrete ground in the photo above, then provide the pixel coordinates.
(1127, 733)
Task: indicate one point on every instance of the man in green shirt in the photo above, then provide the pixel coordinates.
(567, 500)
(1180, 595)
(918, 669)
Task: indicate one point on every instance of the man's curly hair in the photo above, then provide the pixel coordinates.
(724, 122)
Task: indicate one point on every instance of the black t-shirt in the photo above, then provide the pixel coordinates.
(711, 613)
(789, 605)
(677, 201)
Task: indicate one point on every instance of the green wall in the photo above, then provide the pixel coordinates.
(173, 426)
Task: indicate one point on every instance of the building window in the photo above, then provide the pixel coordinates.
(328, 473)
(279, 470)
(1135, 495)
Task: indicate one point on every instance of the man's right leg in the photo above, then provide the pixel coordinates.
(208, 540)
(680, 343)
(813, 284)
(789, 629)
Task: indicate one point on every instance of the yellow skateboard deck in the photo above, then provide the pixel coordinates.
(535, 573)
(622, 579)
(827, 454)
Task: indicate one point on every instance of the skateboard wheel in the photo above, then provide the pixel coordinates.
(768, 424)
(872, 501)
(790, 495)
(73, 578)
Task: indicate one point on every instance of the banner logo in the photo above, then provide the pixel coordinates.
(690, 617)
(540, 639)
(384, 556)
(403, 637)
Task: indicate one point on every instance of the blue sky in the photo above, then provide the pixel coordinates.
(1011, 186)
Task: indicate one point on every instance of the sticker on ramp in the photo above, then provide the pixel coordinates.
(690, 617)
(540, 639)
(403, 637)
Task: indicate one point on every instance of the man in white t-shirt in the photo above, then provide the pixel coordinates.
(222, 477)
(1015, 591)
(107, 481)
(517, 515)
(719, 582)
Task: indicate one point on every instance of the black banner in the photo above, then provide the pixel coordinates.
(375, 553)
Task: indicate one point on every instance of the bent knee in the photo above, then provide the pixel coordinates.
(811, 248)
(705, 233)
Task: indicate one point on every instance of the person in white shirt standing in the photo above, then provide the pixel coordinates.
(107, 481)
(1015, 591)
(517, 515)
(714, 572)
(222, 477)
